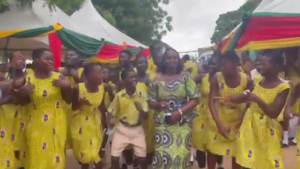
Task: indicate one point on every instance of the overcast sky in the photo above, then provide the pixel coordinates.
(194, 21)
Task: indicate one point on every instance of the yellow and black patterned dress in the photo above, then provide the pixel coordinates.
(204, 118)
(46, 130)
(258, 142)
(68, 109)
(228, 114)
(7, 157)
(86, 128)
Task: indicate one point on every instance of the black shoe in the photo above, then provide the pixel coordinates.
(124, 166)
(220, 168)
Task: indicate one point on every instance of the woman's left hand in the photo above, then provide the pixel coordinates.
(102, 152)
(175, 117)
(61, 83)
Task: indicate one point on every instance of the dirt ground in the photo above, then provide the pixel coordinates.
(289, 160)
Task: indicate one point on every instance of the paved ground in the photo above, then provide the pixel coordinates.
(289, 160)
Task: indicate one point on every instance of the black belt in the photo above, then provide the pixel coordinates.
(130, 125)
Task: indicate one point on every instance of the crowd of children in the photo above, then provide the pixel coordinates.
(160, 112)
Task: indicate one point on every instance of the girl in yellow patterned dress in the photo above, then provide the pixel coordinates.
(144, 79)
(258, 142)
(7, 156)
(46, 130)
(20, 117)
(204, 118)
(89, 118)
(11, 114)
(221, 138)
(73, 74)
(109, 94)
(292, 75)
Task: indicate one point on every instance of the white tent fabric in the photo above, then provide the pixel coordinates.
(278, 6)
(29, 18)
(88, 15)
(21, 18)
(58, 16)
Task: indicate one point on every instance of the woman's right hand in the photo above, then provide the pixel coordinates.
(222, 129)
(25, 90)
(163, 105)
(83, 101)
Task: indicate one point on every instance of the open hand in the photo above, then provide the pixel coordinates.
(84, 101)
(175, 117)
(138, 106)
(25, 90)
(73, 72)
(109, 88)
(223, 100)
(61, 83)
(163, 105)
(222, 130)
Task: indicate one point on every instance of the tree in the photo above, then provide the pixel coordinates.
(69, 5)
(228, 21)
(143, 20)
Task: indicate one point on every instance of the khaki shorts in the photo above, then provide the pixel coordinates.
(125, 136)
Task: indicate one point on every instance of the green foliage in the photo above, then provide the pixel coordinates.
(69, 6)
(228, 21)
(3, 6)
(143, 20)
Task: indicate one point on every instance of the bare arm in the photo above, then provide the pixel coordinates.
(273, 110)
(295, 93)
(198, 78)
(190, 105)
(242, 98)
(189, 69)
(103, 111)
(75, 98)
(66, 91)
(214, 89)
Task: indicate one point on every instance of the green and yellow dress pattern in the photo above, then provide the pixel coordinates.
(173, 142)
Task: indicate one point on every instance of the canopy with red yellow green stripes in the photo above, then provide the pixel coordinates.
(273, 24)
(88, 48)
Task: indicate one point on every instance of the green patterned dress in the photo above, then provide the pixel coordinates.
(173, 141)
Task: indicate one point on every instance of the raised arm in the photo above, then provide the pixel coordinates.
(75, 98)
(242, 97)
(272, 110)
(65, 89)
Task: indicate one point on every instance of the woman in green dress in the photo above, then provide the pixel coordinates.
(173, 95)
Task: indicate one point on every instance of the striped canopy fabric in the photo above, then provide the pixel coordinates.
(87, 47)
(273, 24)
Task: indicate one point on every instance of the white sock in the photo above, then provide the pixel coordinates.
(219, 165)
(285, 137)
(294, 140)
(150, 167)
(130, 166)
(193, 153)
